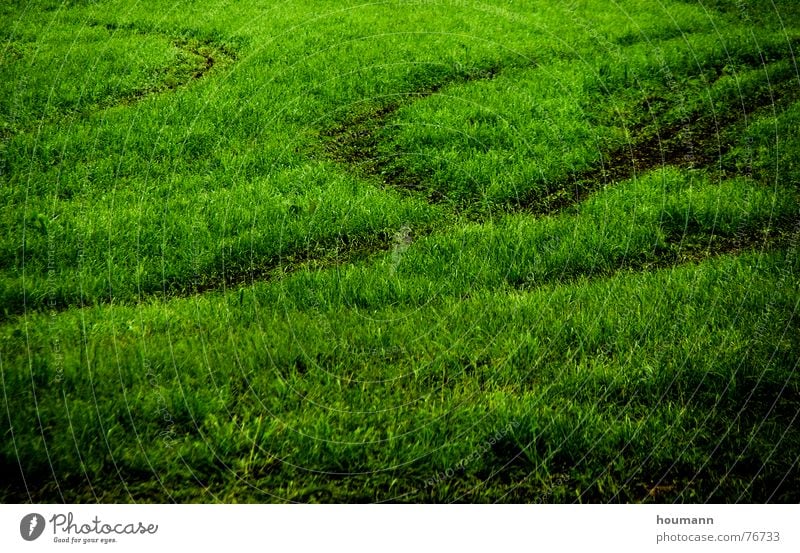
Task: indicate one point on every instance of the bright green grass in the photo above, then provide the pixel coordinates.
(95, 186)
(207, 295)
(520, 135)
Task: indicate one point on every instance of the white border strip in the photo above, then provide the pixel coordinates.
(371, 528)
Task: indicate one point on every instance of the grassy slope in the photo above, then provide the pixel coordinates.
(602, 352)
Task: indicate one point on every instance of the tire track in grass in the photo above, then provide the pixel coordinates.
(676, 252)
(345, 250)
(686, 249)
(209, 55)
(213, 54)
(662, 148)
(355, 142)
(700, 142)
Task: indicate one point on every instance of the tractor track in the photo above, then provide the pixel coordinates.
(697, 141)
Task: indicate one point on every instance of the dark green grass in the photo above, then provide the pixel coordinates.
(404, 251)
(226, 391)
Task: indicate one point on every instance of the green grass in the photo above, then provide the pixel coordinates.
(403, 251)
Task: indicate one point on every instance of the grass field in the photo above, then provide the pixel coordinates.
(403, 251)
